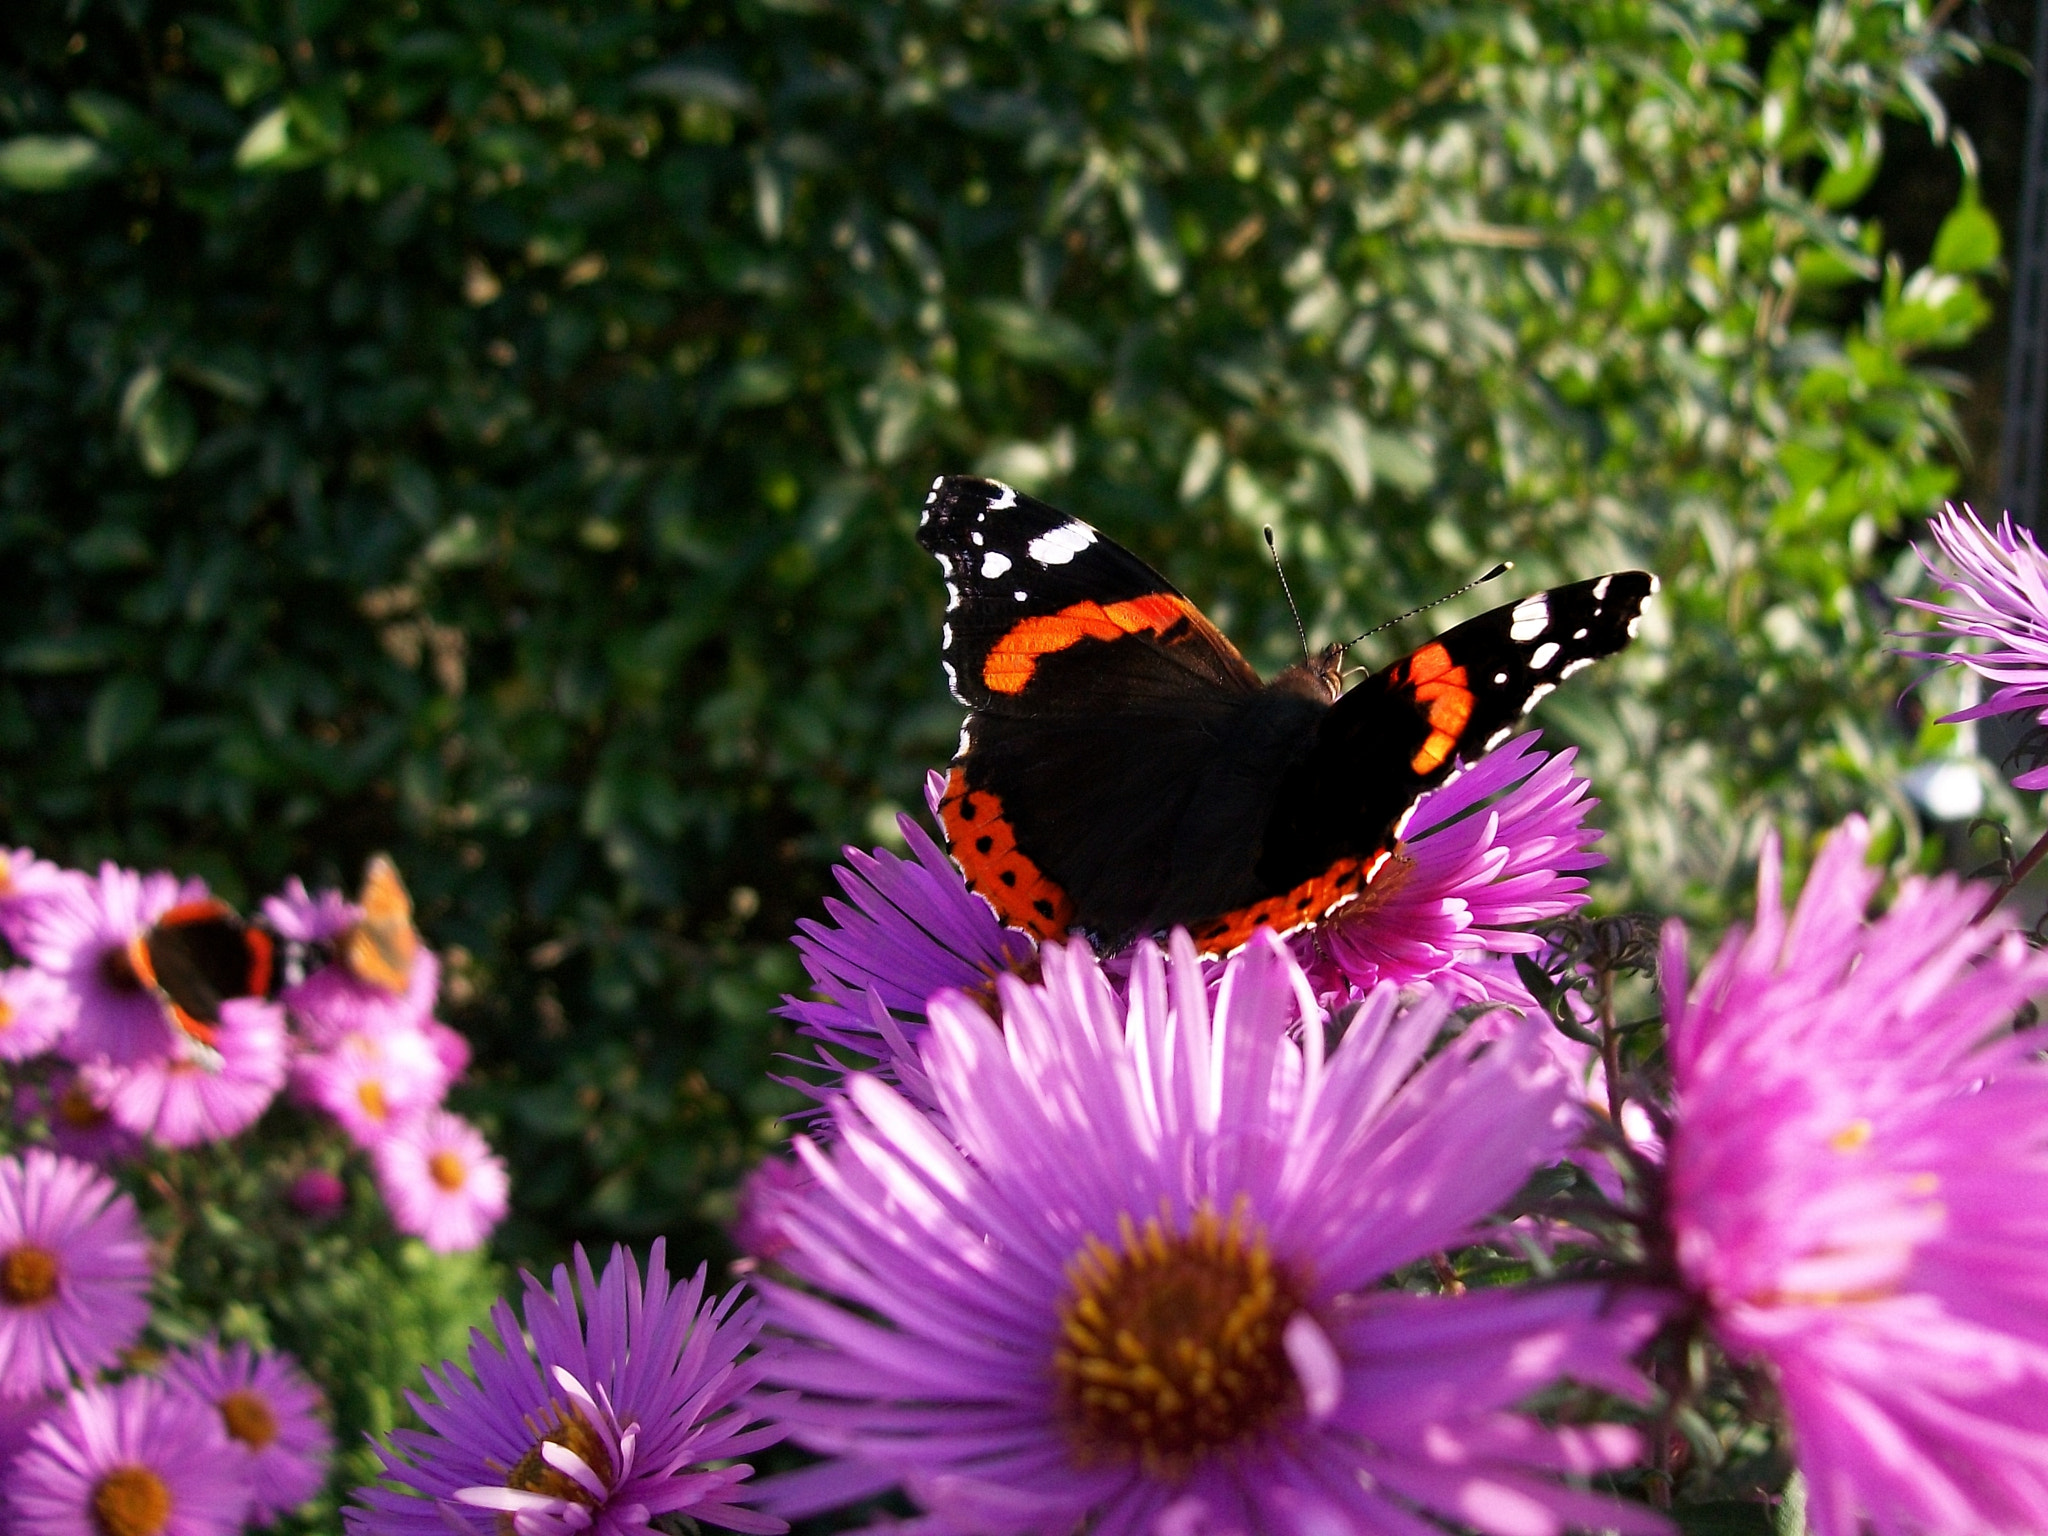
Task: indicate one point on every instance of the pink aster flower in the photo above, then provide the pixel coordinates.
(24, 879)
(1468, 880)
(1998, 586)
(35, 1010)
(296, 914)
(1858, 1192)
(1024, 1324)
(908, 928)
(273, 1417)
(371, 1080)
(79, 931)
(197, 1095)
(75, 1118)
(441, 1180)
(18, 1416)
(334, 1003)
(318, 1194)
(131, 1460)
(609, 1422)
(74, 1272)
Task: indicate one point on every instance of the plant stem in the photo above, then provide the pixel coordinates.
(2011, 882)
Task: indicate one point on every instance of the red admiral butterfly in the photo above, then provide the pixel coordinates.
(1124, 770)
(197, 956)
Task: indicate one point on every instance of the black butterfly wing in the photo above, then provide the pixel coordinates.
(1401, 730)
(1024, 581)
(198, 955)
(1338, 810)
(1103, 715)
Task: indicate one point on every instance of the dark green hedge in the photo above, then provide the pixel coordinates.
(493, 432)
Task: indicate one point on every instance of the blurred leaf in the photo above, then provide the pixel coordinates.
(121, 714)
(1968, 240)
(51, 162)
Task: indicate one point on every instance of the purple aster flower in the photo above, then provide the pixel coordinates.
(74, 1271)
(371, 1080)
(273, 1416)
(2000, 595)
(1468, 880)
(130, 1460)
(1858, 1192)
(757, 1221)
(80, 931)
(24, 879)
(1140, 1287)
(75, 1118)
(908, 928)
(196, 1094)
(296, 914)
(441, 1180)
(19, 1415)
(610, 1421)
(35, 1010)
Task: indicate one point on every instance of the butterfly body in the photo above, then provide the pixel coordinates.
(1124, 770)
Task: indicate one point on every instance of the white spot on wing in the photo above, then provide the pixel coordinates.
(1546, 653)
(1497, 738)
(1600, 588)
(1580, 634)
(952, 678)
(1530, 618)
(966, 741)
(936, 483)
(952, 597)
(1006, 500)
(1059, 545)
(994, 563)
(1500, 677)
(945, 637)
(1538, 694)
(978, 539)
(1575, 666)
(945, 564)
(1020, 596)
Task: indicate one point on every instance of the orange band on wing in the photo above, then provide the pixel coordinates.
(1448, 693)
(1015, 656)
(1309, 902)
(985, 848)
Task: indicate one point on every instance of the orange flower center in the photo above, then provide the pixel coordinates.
(448, 1169)
(370, 1095)
(249, 1418)
(75, 1107)
(130, 1501)
(566, 1427)
(1172, 1343)
(28, 1276)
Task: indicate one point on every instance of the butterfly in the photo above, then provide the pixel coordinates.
(198, 955)
(379, 948)
(1123, 770)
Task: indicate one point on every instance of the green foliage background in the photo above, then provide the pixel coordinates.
(493, 432)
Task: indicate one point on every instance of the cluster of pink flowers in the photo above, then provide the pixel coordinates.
(206, 1441)
(121, 1073)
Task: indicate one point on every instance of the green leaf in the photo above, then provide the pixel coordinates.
(1968, 241)
(1341, 434)
(156, 414)
(120, 715)
(51, 162)
(1038, 336)
(307, 129)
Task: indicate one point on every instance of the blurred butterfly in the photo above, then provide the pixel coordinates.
(379, 949)
(198, 955)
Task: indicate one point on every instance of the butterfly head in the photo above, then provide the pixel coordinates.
(1320, 677)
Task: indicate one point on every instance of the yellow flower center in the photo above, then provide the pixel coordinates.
(249, 1418)
(448, 1169)
(370, 1095)
(130, 1501)
(6, 1013)
(28, 1276)
(567, 1427)
(1172, 1344)
(1853, 1137)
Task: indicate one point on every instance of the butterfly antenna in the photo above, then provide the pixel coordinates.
(1274, 550)
(1499, 570)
